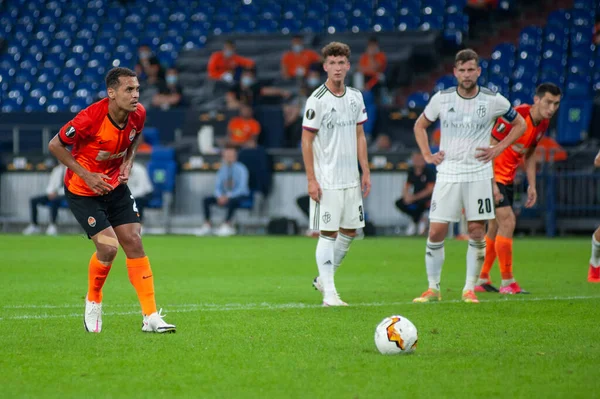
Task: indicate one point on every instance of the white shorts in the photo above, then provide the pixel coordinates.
(338, 208)
(449, 199)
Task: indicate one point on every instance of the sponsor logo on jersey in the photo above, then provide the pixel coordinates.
(70, 133)
(107, 156)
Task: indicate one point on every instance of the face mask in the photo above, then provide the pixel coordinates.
(296, 48)
(171, 79)
(227, 53)
(312, 82)
(247, 81)
(144, 55)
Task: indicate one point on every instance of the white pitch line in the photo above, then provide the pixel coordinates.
(208, 307)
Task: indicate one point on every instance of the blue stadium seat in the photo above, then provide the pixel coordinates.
(519, 98)
(552, 76)
(578, 86)
(162, 170)
(12, 104)
(582, 18)
(444, 82)
(151, 136)
(580, 67)
(456, 26)
(288, 26)
(267, 26)
(412, 8)
(584, 4)
(559, 18)
(432, 22)
(313, 25)
(417, 100)
(383, 23)
(483, 77)
(408, 22)
(574, 116)
(455, 6)
(360, 23)
(499, 84)
(530, 37)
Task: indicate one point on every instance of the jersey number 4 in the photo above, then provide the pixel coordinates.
(488, 206)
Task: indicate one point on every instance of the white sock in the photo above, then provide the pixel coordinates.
(325, 255)
(475, 258)
(595, 259)
(342, 245)
(434, 260)
(506, 283)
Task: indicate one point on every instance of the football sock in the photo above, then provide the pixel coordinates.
(504, 250)
(325, 256)
(342, 245)
(475, 258)
(434, 260)
(490, 258)
(141, 278)
(595, 259)
(97, 273)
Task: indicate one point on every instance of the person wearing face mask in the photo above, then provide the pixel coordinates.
(223, 65)
(250, 91)
(372, 65)
(296, 62)
(151, 86)
(169, 95)
(146, 61)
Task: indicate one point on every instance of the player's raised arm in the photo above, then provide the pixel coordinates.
(429, 115)
(363, 159)
(58, 148)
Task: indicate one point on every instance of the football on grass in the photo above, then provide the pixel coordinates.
(396, 335)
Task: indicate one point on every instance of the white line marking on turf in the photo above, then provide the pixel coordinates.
(212, 307)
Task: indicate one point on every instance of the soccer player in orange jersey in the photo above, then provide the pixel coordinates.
(594, 272)
(499, 236)
(104, 138)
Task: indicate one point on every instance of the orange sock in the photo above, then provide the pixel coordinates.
(490, 258)
(97, 273)
(141, 278)
(504, 250)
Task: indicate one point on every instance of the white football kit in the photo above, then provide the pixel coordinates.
(334, 119)
(463, 181)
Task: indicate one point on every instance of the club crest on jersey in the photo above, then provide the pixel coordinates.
(92, 221)
(70, 133)
(326, 217)
(481, 111)
(353, 106)
(132, 134)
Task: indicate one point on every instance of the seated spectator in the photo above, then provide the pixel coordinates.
(146, 59)
(140, 186)
(225, 64)
(153, 83)
(55, 194)
(382, 143)
(372, 65)
(169, 93)
(250, 91)
(416, 195)
(243, 130)
(231, 189)
(293, 110)
(296, 63)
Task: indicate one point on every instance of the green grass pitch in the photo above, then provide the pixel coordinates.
(250, 325)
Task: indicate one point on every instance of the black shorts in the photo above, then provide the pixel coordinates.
(97, 213)
(508, 193)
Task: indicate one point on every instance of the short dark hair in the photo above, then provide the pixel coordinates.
(547, 87)
(335, 49)
(112, 77)
(229, 42)
(373, 39)
(230, 146)
(298, 36)
(466, 55)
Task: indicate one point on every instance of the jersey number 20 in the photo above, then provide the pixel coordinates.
(488, 206)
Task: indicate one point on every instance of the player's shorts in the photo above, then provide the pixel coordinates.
(97, 213)
(338, 208)
(508, 194)
(449, 199)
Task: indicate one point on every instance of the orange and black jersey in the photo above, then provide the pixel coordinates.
(507, 163)
(98, 144)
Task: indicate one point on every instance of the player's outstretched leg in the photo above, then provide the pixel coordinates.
(140, 276)
(594, 271)
(325, 255)
(434, 260)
